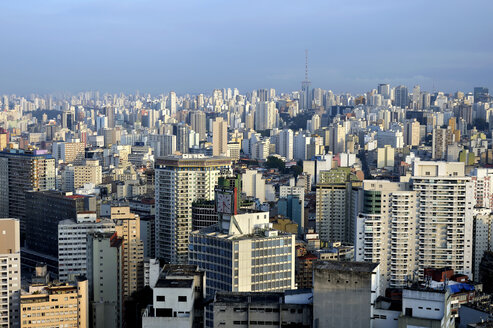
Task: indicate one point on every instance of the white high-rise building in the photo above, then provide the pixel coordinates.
(285, 144)
(483, 236)
(253, 185)
(172, 103)
(265, 115)
(445, 201)
(386, 230)
(483, 187)
(10, 271)
(72, 243)
(180, 180)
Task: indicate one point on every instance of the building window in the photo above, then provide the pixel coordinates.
(182, 298)
(160, 298)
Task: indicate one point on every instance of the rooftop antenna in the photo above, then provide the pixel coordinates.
(306, 64)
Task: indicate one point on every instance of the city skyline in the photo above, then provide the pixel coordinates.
(194, 47)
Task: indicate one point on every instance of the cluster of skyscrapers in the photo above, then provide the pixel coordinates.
(306, 208)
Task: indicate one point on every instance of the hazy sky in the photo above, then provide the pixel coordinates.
(196, 46)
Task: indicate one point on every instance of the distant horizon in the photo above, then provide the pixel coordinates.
(115, 46)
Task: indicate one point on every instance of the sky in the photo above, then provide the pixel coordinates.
(184, 46)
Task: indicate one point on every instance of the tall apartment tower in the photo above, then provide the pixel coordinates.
(104, 273)
(386, 231)
(22, 171)
(334, 210)
(384, 90)
(10, 270)
(412, 133)
(197, 122)
(181, 180)
(445, 201)
(72, 243)
(285, 144)
(127, 226)
(219, 137)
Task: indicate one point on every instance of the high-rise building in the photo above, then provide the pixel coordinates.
(384, 90)
(44, 210)
(181, 180)
(285, 144)
(412, 130)
(445, 216)
(10, 271)
(481, 94)
(23, 171)
(182, 132)
(219, 137)
(483, 237)
(401, 96)
(104, 272)
(203, 214)
(385, 157)
(197, 122)
(72, 243)
(386, 231)
(442, 138)
(266, 115)
(56, 305)
(69, 152)
(127, 226)
(171, 105)
(242, 253)
(335, 205)
(75, 177)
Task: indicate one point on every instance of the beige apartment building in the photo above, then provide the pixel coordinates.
(56, 305)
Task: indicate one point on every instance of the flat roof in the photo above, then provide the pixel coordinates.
(174, 283)
(345, 266)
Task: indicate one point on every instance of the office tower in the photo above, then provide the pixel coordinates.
(178, 298)
(285, 144)
(181, 180)
(417, 97)
(334, 205)
(219, 137)
(442, 138)
(72, 243)
(384, 90)
(344, 293)
(44, 210)
(163, 144)
(56, 305)
(401, 97)
(104, 272)
(385, 157)
(292, 207)
(337, 138)
(253, 185)
(412, 133)
(110, 116)
(203, 214)
(386, 231)
(265, 115)
(182, 131)
(483, 237)
(197, 122)
(445, 223)
(234, 151)
(10, 271)
(127, 226)
(300, 146)
(242, 254)
(23, 171)
(171, 105)
(263, 95)
(481, 94)
(75, 177)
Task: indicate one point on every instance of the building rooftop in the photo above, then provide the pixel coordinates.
(174, 283)
(249, 297)
(345, 266)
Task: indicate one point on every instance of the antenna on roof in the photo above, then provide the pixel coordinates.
(306, 64)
